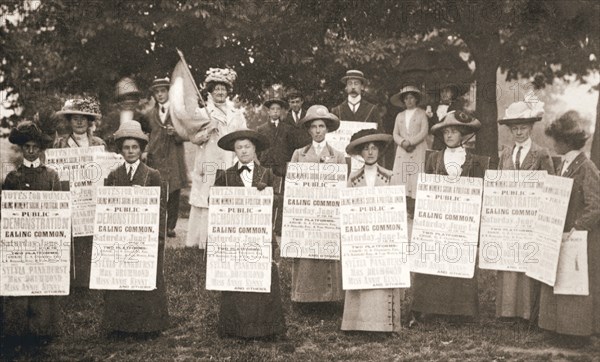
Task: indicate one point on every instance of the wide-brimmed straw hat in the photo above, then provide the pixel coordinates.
(131, 129)
(28, 131)
(366, 136)
(160, 82)
(354, 74)
(458, 119)
(398, 98)
(320, 112)
(523, 112)
(269, 102)
(87, 106)
(260, 141)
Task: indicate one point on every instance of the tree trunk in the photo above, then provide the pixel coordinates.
(595, 154)
(485, 54)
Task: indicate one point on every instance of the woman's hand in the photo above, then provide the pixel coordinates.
(201, 137)
(261, 186)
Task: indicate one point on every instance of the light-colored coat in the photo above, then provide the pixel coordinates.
(317, 280)
(372, 309)
(209, 157)
(407, 165)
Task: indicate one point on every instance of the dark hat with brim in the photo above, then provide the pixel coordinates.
(354, 74)
(131, 129)
(260, 141)
(398, 98)
(294, 94)
(28, 131)
(160, 82)
(568, 126)
(366, 136)
(269, 102)
(318, 112)
(87, 106)
(457, 119)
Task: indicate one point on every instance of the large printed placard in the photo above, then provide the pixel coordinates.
(85, 168)
(572, 274)
(508, 216)
(125, 255)
(548, 230)
(446, 225)
(340, 139)
(307, 174)
(239, 239)
(374, 238)
(35, 243)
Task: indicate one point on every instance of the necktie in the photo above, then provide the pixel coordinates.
(162, 109)
(354, 106)
(319, 149)
(130, 173)
(275, 122)
(518, 158)
(243, 168)
(297, 116)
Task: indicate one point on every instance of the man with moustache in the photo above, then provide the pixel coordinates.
(355, 108)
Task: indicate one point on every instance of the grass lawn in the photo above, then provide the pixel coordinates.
(311, 335)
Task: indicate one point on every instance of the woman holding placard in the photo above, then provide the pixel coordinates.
(576, 315)
(248, 314)
(141, 312)
(37, 316)
(80, 114)
(441, 295)
(517, 295)
(371, 309)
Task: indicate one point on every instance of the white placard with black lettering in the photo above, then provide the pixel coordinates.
(572, 274)
(374, 238)
(35, 243)
(508, 216)
(446, 225)
(125, 253)
(310, 174)
(548, 230)
(239, 239)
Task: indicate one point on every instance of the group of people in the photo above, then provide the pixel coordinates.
(152, 150)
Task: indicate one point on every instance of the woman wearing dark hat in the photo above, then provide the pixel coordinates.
(222, 118)
(371, 309)
(80, 115)
(517, 295)
(143, 312)
(317, 280)
(440, 295)
(246, 314)
(410, 132)
(570, 314)
(37, 316)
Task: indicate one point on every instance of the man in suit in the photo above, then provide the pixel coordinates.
(295, 100)
(355, 108)
(165, 150)
(280, 135)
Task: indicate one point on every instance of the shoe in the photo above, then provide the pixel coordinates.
(171, 233)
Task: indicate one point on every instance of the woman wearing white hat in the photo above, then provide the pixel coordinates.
(223, 118)
(80, 113)
(410, 132)
(141, 312)
(517, 295)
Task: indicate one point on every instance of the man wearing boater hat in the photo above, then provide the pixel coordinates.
(165, 150)
(355, 108)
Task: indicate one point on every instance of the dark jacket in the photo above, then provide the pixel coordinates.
(166, 153)
(367, 112)
(474, 165)
(36, 179)
(282, 140)
(301, 137)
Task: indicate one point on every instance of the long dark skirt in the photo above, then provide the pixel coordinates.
(29, 316)
(252, 315)
(445, 295)
(138, 311)
(82, 261)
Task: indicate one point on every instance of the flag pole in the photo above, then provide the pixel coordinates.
(187, 68)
